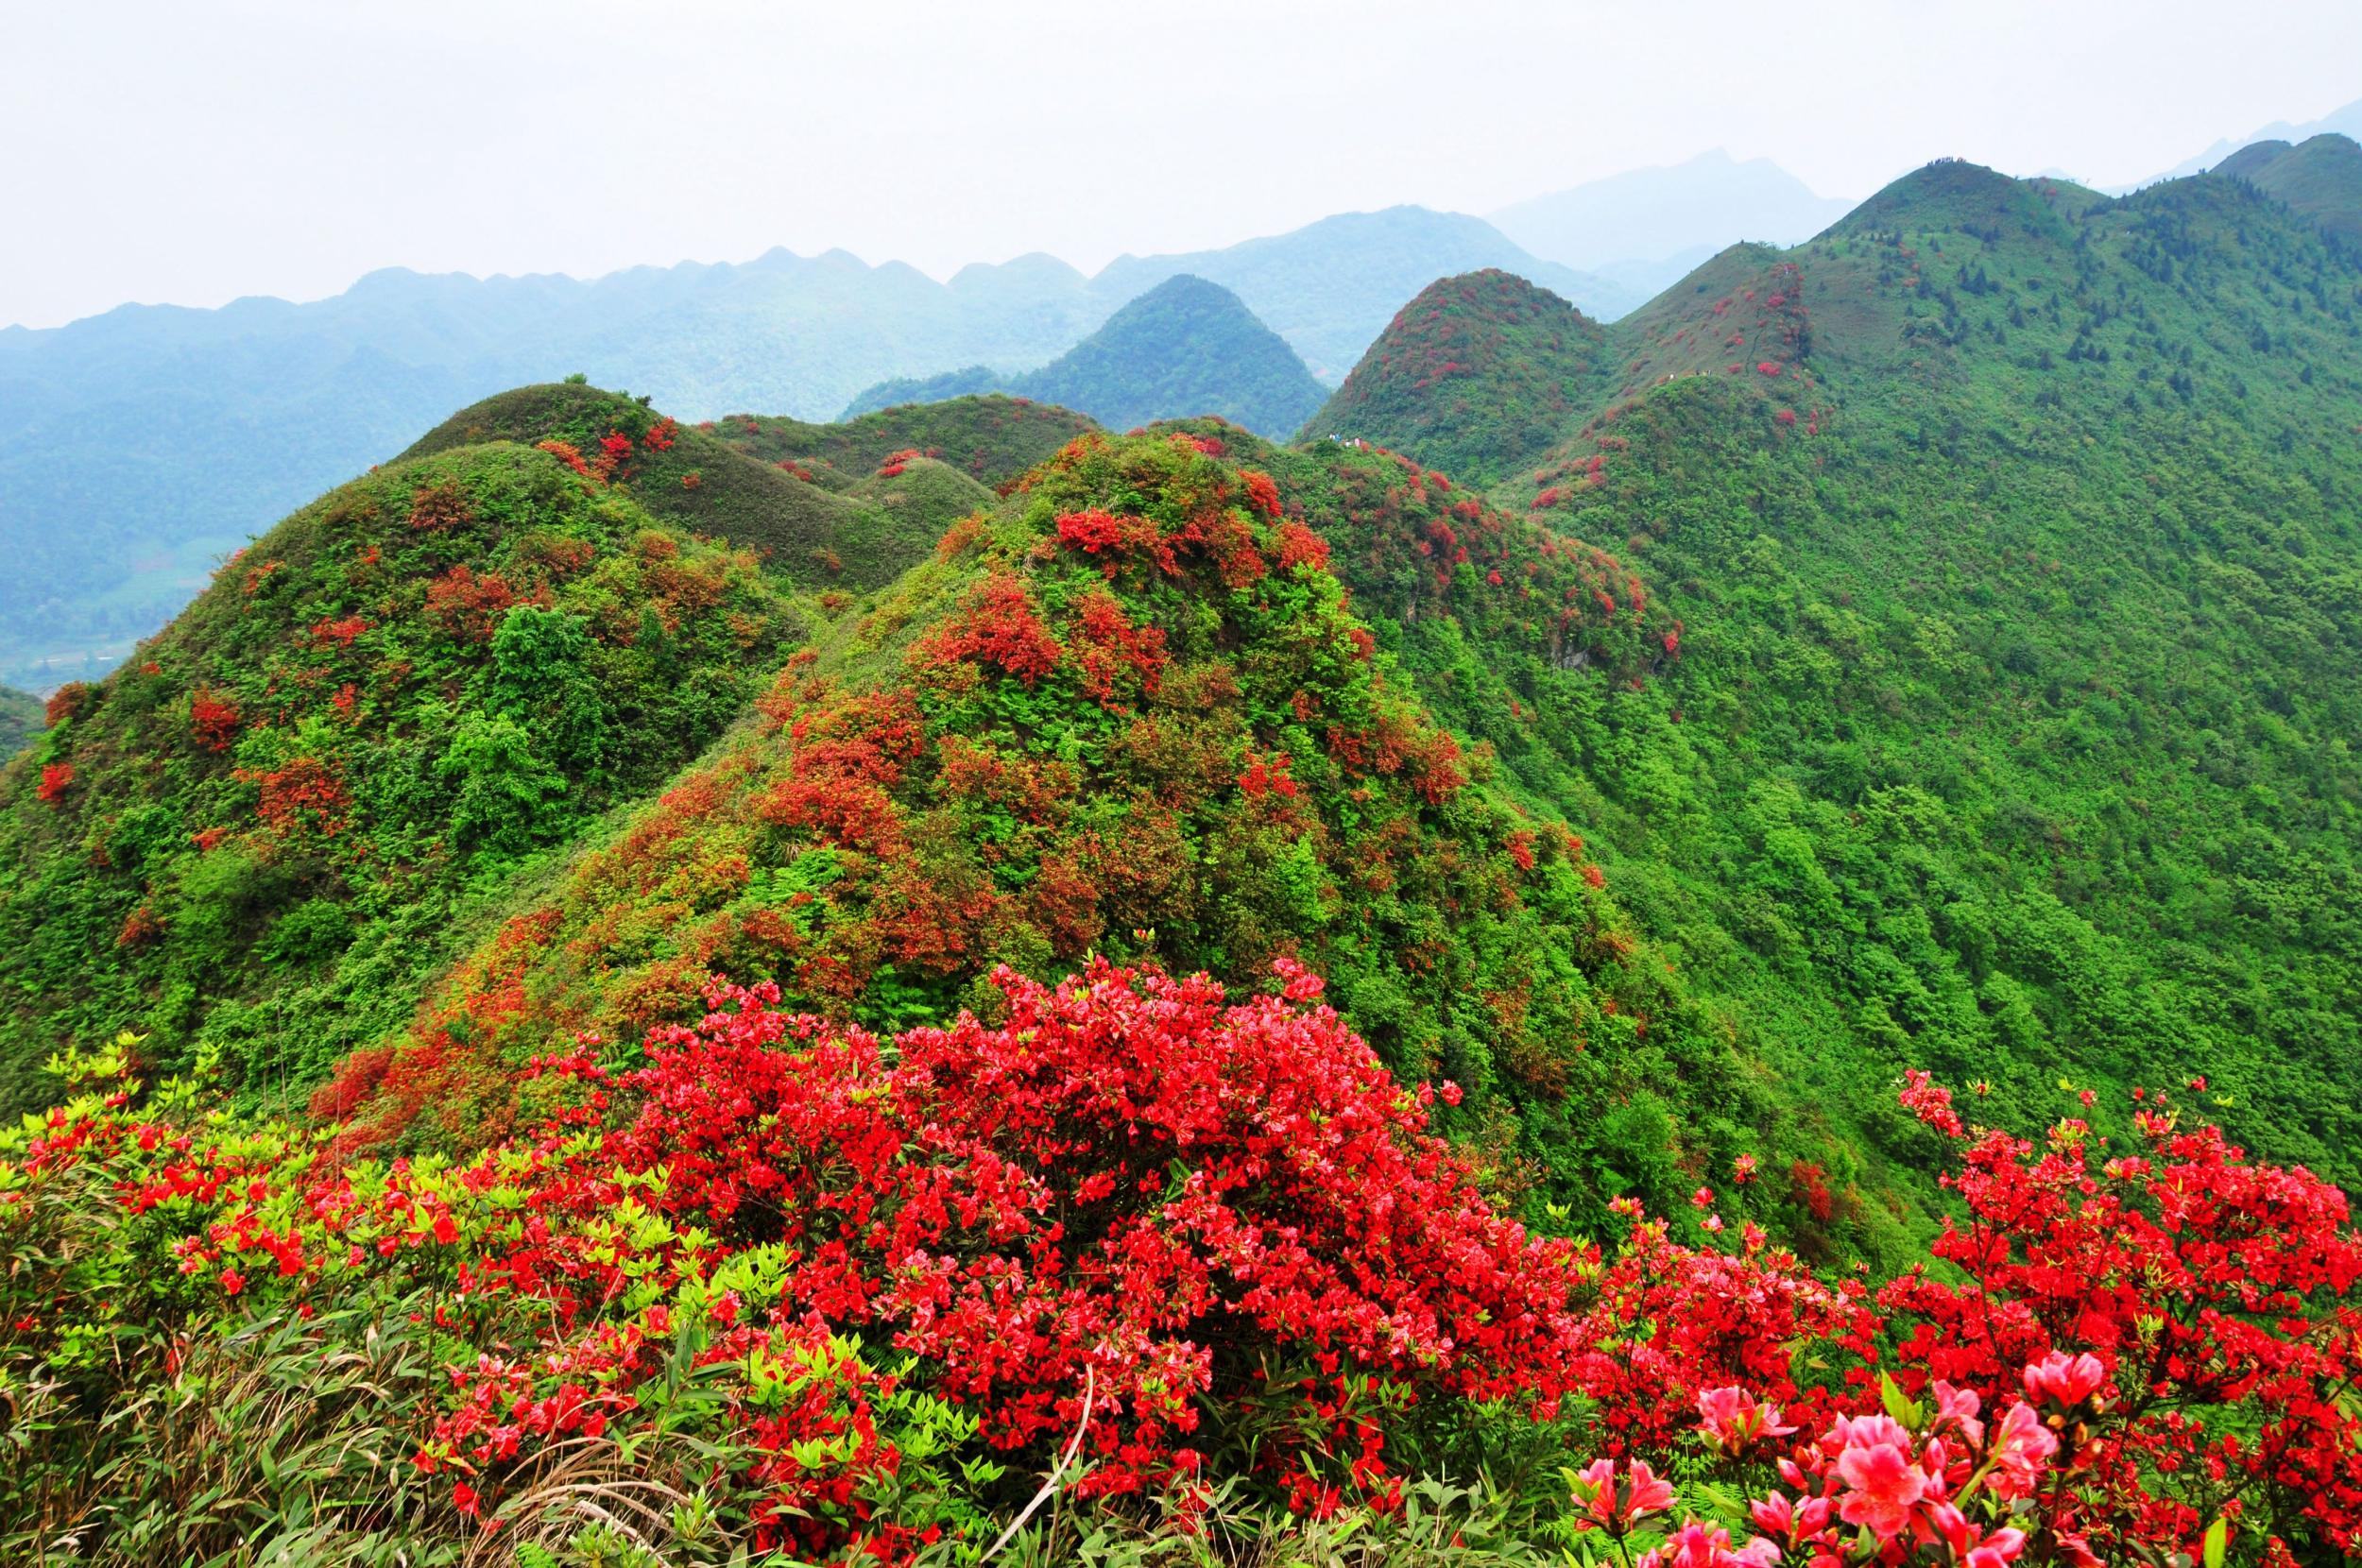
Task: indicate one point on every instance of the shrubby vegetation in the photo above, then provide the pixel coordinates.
(1477, 375)
(1201, 1266)
(1128, 713)
(21, 719)
(991, 438)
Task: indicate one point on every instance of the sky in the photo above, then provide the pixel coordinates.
(190, 154)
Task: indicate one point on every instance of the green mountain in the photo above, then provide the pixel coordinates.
(1930, 647)
(2007, 535)
(1129, 711)
(899, 391)
(257, 839)
(2320, 178)
(1477, 375)
(1329, 287)
(1185, 348)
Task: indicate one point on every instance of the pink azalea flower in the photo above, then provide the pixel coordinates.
(1884, 1487)
(2021, 1449)
(1958, 1407)
(1733, 1420)
(1645, 1492)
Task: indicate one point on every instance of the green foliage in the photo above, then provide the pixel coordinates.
(699, 484)
(992, 438)
(2320, 179)
(1206, 765)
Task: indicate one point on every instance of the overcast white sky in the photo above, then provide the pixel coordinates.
(192, 152)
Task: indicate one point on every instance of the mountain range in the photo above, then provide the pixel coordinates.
(239, 414)
(2346, 122)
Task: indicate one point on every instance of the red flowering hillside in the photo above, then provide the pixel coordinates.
(1128, 713)
(1477, 376)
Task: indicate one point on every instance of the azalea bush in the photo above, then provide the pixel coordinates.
(1179, 1262)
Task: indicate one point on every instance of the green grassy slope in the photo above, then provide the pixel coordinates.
(1477, 375)
(257, 839)
(2012, 535)
(922, 492)
(2320, 178)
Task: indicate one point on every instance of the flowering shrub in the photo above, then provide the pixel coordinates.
(2142, 1293)
(1128, 1206)
(1937, 1480)
(998, 626)
(214, 719)
(1204, 1243)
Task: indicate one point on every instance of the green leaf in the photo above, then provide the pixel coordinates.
(1899, 1406)
(2218, 1538)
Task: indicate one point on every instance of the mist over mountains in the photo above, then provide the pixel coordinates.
(2344, 122)
(143, 445)
(1646, 228)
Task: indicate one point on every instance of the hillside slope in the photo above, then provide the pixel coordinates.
(1129, 713)
(991, 437)
(21, 719)
(2008, 536)
(802, 530)
(2320, 178)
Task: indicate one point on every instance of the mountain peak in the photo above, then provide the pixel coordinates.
(1474, 377)
(2319, 178)
(1952, 194)
(1186, 347)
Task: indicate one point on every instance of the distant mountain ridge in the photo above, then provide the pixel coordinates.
(2319, 178)
(139, 446)
(1185, 348)
(2343, 121)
